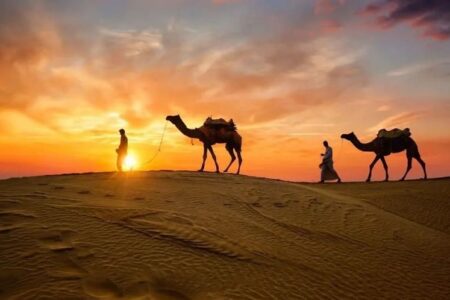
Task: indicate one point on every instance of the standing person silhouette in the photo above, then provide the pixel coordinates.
(328, 172)
(122, 150)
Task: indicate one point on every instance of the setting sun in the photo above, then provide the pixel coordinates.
(130, 162)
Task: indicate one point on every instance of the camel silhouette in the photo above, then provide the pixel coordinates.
(385, 146)
(210, 135)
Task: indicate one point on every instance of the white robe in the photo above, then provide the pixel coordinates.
(327, 170)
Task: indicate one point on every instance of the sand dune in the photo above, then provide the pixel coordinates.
(184, 235)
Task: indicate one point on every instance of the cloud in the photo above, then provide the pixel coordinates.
(431, 18)
(384, 108)
(326, 7)
(71, 76)
(114, 77)
(439, 67)
(220, 2)
(134, 42)
(401, 120)
(330, 26)
(331, 15)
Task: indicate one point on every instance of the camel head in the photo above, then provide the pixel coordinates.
(348, 136)
(173, 119)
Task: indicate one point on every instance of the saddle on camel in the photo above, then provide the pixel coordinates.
(393, 133)
(391, 139)
(220, 124)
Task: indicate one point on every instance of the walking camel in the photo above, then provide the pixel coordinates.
(222, 133)
(384, 146)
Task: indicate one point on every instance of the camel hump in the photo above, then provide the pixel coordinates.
(220, 123)
(394, 133)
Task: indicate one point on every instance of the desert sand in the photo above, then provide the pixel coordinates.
(186, 235)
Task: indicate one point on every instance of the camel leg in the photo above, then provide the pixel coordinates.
(371, 167)
(205, 155)
(229, 148)
(214, 157)
(422, 163)
(239, 160)
(385, 168)
(408, 167)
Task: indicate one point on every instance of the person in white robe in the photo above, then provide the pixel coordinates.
(326, 167)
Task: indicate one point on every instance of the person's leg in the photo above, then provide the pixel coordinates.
(120, 159)
(322, 173)
(339, 178)
(333, 172)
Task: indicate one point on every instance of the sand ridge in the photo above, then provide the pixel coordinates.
(186, 235)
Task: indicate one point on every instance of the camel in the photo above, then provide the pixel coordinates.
(209, 136)
(383, 147)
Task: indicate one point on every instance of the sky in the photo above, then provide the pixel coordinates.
(291, 73)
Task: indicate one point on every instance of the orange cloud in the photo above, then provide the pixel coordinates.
(404, 119)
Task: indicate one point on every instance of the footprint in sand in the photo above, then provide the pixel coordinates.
(144, 290)
(139, 290)
(10, 220)
(103, 288)
(9, 204)
(100, 287)
(139, 198)
(108, 195)
(396, 236)
(166, 294)
(9, 279)
(279, 204)
(314, 201)
(69, 269)
(84, 192)
(59, 241)
(256, 204)
(58, 187)
(38, 195)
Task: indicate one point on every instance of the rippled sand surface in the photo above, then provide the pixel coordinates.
(184, 235)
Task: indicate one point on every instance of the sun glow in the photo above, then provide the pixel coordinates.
(130, 162)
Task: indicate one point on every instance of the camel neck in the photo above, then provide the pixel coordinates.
(368, 147)
(192, 133)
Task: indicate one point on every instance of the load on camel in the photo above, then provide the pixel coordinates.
(388, 142)
(220, 123)
(393, 133)
(212, 132)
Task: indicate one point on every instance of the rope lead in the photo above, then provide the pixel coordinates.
(159, 147)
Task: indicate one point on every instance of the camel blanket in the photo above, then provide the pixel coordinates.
(394, 133)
